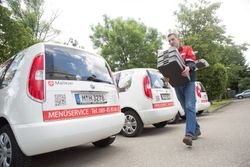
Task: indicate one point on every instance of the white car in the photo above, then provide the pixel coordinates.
(53, 97)
(202, 102)
(145, 100)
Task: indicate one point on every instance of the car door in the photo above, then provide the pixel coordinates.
(7, 73)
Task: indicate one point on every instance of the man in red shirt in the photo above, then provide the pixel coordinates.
(186, 93)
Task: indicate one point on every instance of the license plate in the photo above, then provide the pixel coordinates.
(165, 96)
(90, 98)
(204, 97)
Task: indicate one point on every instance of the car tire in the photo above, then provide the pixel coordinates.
(161, 124)
(133, 125)
(183, 117)
(104, 142)
(200, 112)
(240, 97)
(175, 119)
(14, 157)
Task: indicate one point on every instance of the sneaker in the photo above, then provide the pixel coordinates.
(194, 137)
(187, 140)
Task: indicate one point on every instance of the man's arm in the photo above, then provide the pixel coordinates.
(190, 59)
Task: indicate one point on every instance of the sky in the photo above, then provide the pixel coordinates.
(77, 16)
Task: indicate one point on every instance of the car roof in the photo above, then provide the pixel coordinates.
(142, 69)
(136, 69)
(67, 46)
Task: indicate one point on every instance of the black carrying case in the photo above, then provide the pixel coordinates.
(171, 65)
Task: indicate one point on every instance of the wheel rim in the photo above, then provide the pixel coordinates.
(130, 125)
(5, 150)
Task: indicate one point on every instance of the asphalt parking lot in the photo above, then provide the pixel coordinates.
(225, 142)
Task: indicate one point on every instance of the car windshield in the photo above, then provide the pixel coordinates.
(64, 63)
(156, 79)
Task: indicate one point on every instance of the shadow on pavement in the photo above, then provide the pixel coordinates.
(152, 131)
(85, 154)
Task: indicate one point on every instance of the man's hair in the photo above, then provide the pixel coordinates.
(174, 34)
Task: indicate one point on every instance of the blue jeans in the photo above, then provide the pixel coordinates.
(187, 98)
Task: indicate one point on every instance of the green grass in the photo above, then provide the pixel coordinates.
(219, 104)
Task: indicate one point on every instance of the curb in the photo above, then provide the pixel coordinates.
(216, 109)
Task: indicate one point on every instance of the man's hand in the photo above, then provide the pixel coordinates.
(185, 72)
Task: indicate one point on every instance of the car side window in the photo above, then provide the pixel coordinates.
(124, 81)
(116, 78)
(10, 73)
(3, 69)
(157, 80)
(247, 92)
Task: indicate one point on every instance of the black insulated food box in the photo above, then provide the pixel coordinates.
(171, 65)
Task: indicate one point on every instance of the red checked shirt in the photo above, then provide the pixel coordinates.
(189, 57)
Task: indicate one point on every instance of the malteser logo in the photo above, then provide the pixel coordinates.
(59, 83)
(51, 83)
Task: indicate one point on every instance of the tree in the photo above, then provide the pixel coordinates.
(13, 35)
(215, 78)
(244, 84)
(30, 13)
(233, 59)
(73, 42)
(199, 26)
(126, 43)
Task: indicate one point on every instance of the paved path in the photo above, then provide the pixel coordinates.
(225, 142)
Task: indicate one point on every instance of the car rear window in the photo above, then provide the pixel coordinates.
(64, 63)
(156, 79)
(202, 89)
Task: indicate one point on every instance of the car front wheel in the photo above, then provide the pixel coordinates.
(240, 97)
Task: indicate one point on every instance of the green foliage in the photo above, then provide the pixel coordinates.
(199, 26)
(13, 35)
(244, 84)
(30, 13)
(233, 59)
(73, 42)
(126, 43)
(215, 80)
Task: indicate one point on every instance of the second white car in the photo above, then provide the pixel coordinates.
(145, 100)
(202, 102)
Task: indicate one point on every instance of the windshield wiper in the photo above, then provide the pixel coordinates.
(94, 79)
